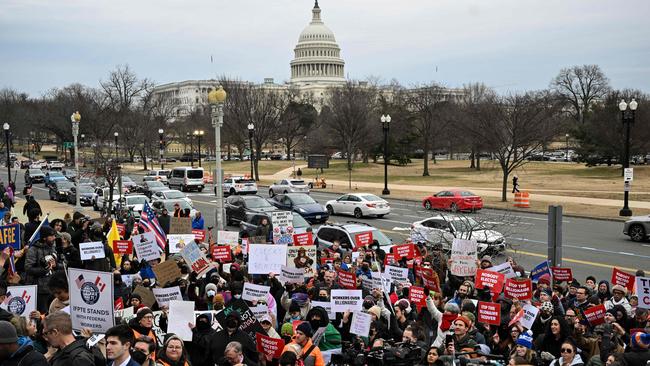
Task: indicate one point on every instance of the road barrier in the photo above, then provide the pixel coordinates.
(522, 199)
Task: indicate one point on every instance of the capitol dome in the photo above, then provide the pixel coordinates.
(317, 56)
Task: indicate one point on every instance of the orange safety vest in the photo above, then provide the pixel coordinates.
(163, 363)
(151, 335)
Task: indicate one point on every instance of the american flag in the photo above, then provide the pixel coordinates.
(80, 281)
(149, 222)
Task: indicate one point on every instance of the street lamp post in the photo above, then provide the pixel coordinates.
(567, 147)
(251, 130)
(116, 134)
(628, 119)
(199, 134)
(385, 122)
(5, 126)
(191, 148)
(162, 147)
(75, 118)
(216, 99)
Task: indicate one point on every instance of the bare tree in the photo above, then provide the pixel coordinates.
(473, 95)
(296, 120)
(580, 87)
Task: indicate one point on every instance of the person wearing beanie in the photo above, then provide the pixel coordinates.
(590, 282)
(41, 262)
(231, 332)
(13, 354)
(310, 353)
(329, 338)
(618, 298)
(218, 302)
(486, 262)
(463, 341)
(142, 324)
(638, 353)
(444, 320)
(375, 311)
(286, 332)
(524, 348)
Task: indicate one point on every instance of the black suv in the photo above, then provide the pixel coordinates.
(237, 207)
(59, 191)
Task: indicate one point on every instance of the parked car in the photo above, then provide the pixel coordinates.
(70, 174)
(254, 220)
(169, 205)
(59, 190)
(288, 186)
(34, 176)
(103, 196)
(237, 207)
(346, 235)
(453, 200)
(170, 194)
(159, 174)
(55, 165)
(301, 204)
(86, 194)
(440, 230)
(637, 228)
(186, 178)
(129, 184)
(87, 181)
(54, 176)
(359, 205)
(239, 185)
(149, 187)
(133, 202)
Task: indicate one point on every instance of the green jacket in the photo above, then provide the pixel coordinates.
(331, 339)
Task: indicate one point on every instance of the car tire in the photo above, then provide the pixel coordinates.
(95, 207)
(637, 233)
(427, 204)
(380, 216)
(358, 213)
(330, 210)
(453, 207)
(271, 193)
(183, 188)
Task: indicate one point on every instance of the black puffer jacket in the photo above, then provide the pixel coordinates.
(36, 265)
(74, 354)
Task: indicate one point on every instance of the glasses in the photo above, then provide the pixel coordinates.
(174, 347)
(566, 350)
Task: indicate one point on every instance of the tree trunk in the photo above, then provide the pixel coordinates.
(504, 188)
(349, 171)
(425, 171)
(365, 158)
(256, 163)
(478, 161)
(471, 159)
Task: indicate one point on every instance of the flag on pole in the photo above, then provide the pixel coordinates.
(112, 235)
(36, 236)
(149, 222)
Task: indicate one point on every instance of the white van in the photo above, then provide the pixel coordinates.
(186, 178)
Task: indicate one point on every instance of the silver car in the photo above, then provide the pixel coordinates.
(637, 228)
(288, 186)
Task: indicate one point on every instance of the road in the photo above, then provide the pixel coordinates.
(590, 247)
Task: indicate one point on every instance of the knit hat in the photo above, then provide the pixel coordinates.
(547, 307)
(640, 340)
(211, 286)
(592, 278)
(464, 319)
(47, 231)
(526, 339)
(547, 291)
(287, 329)
(7, 333)
(486, 258)
(545, 278)
(142, 312)
(218, 299)
(574, 283)
(304, 327)
(375, 310)
(404, 305)
(619, 288)
(65, 236)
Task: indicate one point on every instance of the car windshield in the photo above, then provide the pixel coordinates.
(86, 189)
(371, 197)
(381, 238)
(466, 224)
(35, 171)
(155, 183)
(64, 185)
(163, 172)
(299, 222)
(257, 202)
(136, 200)
(298, 182)
(467, 194)
(195, 174)
(174, 194)
(302, 199)
(244, 180)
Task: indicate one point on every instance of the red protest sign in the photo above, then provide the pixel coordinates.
(518, 289)
(269, 346)
(325, 260)
(363, 239)
(121, 229)
(489, 312)
(390, 259)
(303, 239)
(417, 297)
(347, 280)
(562, 274)
(404, 250)
(595, 314)
(431, 280)
(493, 280)
(122, 246)
(199, 234)
(221, 253)
(119, 304)
(623, 278)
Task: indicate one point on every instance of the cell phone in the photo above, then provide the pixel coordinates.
(448, 339)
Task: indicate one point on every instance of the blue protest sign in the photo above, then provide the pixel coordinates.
(10, 236)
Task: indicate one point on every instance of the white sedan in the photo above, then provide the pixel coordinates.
(171, 194)
(359, 205)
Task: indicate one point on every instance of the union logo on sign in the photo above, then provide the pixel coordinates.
(16, 305)
(89, 293)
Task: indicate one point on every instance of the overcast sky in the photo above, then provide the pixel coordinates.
(507, 44)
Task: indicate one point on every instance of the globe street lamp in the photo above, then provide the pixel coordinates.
(116, 134)
(162, 147)
(5, 126)
(216, 99)
(75, 118)
(627, 115)
(385, 122)
(198, 134)
(251, 130)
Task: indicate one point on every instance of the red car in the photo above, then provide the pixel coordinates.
(453, 200)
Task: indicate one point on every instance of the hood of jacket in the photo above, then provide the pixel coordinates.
(324, 318)
(135, 325)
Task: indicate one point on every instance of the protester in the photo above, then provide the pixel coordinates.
(143, 351)
(173, 353)
(57, 330)
(310, 353)
(197, 221)
(41, 262)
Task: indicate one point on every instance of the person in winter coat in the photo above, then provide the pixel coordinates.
(570, 356)
(199, 348)
(637, 354)
(58, 287)
(550, 343)
(603, 291)
(325, 336)
(173, 353)
(444, 320)
(31, 204)
(231, 333)
(12, 353)
(142, 325)
(33, 222)
(618, 298)
(164, 220)
(41, 262)
(57, 330)
(197, 221)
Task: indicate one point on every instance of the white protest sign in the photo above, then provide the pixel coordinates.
(504, 268)
(91, 249)
(265, 258)
(125, 314)
(20, 300)
(91, 300)
(146, 247)
(94, 339)
(292, 275)
(360, 324)
(178, 241)
(180, 314)
(397, 274)
(327, 305)
(643, 292)
(157, 316)
(260, 311)
(281, 219)
(346, 300)
(463, 256)
(128, 279)
(530, 313)
(254, 292)
(227, 237)
(165, 295)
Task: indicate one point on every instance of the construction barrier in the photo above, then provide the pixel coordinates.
(522, 199)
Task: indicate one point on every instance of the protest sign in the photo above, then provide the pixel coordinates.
(562, 274)
(539, 270)
(20, 300)
(264, 258)
(91, 250)
(122, 247)
(404, 250)
(390, 259)
(121, 229)
(157, 330)
(397, 274)
(417, 297)
(291, 275)
(260, 311)
(286, 239)
(303, 257)
(128, 279)
(528, 317)
(10, 236)
(327, 305)
(249, 324)
(363, 239)
(489, 313)
(146, 295)
(346, 300)
(91, 299)
(463, 256)
(212, 319)
(282, 219)
(643, 292)
(595, 315)
(493, 280)
(227, 237)
(178, 241)
(430, 280)
(199, 234)
(303, 239)
(271, 347)
(622, 278)
(146, 247)
(125, 314)
(195, 258)
(518, 289)
(166, 272)
(346, 279)
(360, 324)
(165, 295)
(118, 304)
(505, 268)
(180, 314)
(254, 292)
(221, 253)
(180, 225)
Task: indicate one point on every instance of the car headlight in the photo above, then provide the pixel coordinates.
(61, 192)
(302, 210)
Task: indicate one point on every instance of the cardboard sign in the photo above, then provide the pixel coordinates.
(562, 274)
(303, 239)
(20, 300)
(397, 274)
(595, 315)
(199, 234)
(91, 300)
(180, 225)
(227, 237)
(622, 278)
(281, 219)
(180, 314)
(166, 272)
(504, 268)
(528, 316)
(165, 295)
(346, 279)
(518, 289)
(493, 280)
(540, 270)
(346, 300)
(292, 275)
(221, 253)
(254, 292)
(91, 250)
(195, 258)
(643, 292)
(265, 259)
(404, 250)
(463, 255)
(10, 236)
(363, 239)
(417, 297)
(122, 246)
(303, 257)
(360, 324)
(489, 313)
(178, 241)
(146, 247)
(146, 295)
(271, 347)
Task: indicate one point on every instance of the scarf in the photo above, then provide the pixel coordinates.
(447, 320)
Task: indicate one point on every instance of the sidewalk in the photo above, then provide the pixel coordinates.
(57, 210)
